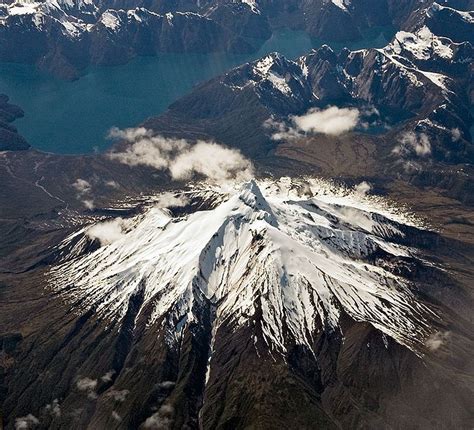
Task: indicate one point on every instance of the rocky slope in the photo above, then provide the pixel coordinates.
(9, 137)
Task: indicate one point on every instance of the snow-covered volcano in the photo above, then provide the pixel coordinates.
(287, 257)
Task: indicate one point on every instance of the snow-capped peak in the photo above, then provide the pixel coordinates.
(342, 4)
(287, 257)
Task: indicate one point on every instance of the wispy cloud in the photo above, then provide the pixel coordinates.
(112, 184)
(107, 377)
(166, 385)
(53, 408)
(26, 423)
(455, 134)
(84, 189)
(181, 159)
(118, 395)
(160, 420)
(87, 385)
(82, 186)
(437, 340)
(411, 143)
(363, 188)
(172, 200)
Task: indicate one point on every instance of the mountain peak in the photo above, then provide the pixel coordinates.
(252, 197)
(265, 253)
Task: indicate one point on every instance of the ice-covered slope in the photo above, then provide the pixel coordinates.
(268, 255)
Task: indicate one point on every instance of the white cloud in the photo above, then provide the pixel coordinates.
(107, 377)
(413, 143)
(88, 204)
(180, 158)
(363, 188)
(112, 184)
(110, 231)
(331, 121)
(26, 423)
(161, 420)
(82, 186)
(281, 131)
(411, 166)
(54, 408)
(84, 189)
(88, 385)
(129, 134)
(146, 149)
(172, 200)
(166, 384)
(357, 217)
(212, 161)
(455, 134)
(106, 233)
(116, 416)
(118, 396)
(436, 340)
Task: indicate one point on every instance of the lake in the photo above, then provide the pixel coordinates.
(74, 117)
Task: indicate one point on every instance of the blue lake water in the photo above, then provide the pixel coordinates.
(74, 117)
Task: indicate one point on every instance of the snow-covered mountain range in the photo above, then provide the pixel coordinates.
(419, 75)
(64, 36)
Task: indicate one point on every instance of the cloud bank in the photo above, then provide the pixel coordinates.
(181, 159)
